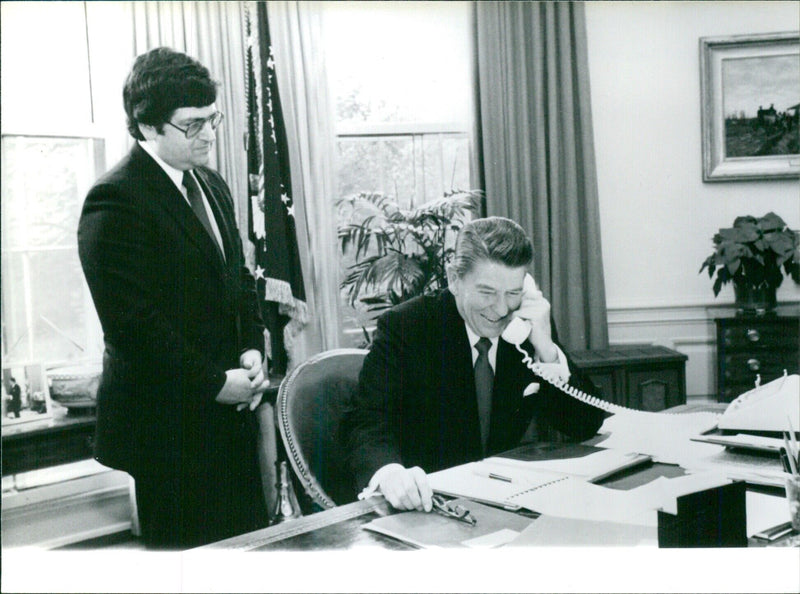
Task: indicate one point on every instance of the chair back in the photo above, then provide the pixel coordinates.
(311, 402)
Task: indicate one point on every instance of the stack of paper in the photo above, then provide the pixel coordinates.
(592, 467)
(493, 527)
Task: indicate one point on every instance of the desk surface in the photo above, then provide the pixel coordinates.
(341, 528)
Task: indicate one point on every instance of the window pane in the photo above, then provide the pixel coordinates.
(43, 210)
(57, 291)
(399, 61)
(47, 313)
(16, 342)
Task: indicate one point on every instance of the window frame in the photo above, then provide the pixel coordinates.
(97, 145)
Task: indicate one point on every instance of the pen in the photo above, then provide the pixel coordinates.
(790, 456)
(785, 461)
(794, 454)
(492, 475)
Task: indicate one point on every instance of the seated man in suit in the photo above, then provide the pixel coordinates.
(439, 388)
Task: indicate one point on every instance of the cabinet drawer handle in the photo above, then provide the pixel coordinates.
(754, 364)
(753, 335)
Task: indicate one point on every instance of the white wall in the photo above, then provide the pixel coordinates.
(657, 215)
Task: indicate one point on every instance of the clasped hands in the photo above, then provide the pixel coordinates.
(245, 385)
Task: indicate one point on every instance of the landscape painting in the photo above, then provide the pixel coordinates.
(761, 97)
(750, 89)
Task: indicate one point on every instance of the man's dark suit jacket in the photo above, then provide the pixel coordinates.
(416, 401)
(175, 316)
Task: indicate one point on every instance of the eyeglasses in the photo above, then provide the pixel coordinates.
(196, 127)
(457, 512)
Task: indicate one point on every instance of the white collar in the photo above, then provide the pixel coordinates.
(175, 175)
(473, 338)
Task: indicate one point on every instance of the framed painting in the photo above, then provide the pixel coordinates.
(26, 396)
(750, 94)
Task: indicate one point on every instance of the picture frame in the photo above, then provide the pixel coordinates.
(750, 97)
(25, 394)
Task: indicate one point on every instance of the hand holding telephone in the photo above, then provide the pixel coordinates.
(519, 329)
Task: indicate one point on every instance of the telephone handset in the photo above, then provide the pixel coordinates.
(517, 332)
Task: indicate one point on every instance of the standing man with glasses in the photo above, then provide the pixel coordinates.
(182, 368)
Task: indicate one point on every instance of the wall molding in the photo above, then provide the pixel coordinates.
(688, 329)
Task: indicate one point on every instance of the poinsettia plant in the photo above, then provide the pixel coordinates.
(756, 252)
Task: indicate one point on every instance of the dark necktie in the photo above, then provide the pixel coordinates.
(196, 201)
(484, 380)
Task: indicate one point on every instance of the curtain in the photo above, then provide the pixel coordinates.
(538, 153)
(213, 33)
(296, 32)
(278, 271)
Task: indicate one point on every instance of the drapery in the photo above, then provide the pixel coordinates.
(296, 32)
(279, 278)
(538, 152)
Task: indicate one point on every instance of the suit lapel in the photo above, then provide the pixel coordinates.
(169, 198)
(462, 376)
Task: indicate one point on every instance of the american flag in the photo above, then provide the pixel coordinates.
(272, 228)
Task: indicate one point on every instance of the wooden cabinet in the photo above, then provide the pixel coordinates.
(749, 346)
(648, 378)
(40, 445)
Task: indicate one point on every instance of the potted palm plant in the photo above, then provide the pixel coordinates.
(754, 255)
(392, 254)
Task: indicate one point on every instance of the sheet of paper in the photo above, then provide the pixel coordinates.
(759, 442)
(572, 532)
(666, 437)
(492, 540)
(473, 481)
(590, 467)
(759, 470)
(575, 498)
(663, 492)
(765, 511)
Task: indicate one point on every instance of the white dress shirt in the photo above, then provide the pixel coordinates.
(176, 175)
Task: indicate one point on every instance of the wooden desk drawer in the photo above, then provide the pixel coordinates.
(763, 335)
(748, 346)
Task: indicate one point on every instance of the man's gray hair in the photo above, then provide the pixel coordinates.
(496, 239)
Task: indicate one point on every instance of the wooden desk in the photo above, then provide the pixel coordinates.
(341, 528)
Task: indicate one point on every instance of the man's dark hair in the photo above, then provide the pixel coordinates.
(495, 239)
(161, 81)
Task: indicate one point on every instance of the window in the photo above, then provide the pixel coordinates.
(50, 158)
(401, 78)
(48, 314)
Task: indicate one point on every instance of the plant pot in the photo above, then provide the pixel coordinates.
(754, 300)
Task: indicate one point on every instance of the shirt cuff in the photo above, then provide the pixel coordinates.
(558, 367)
